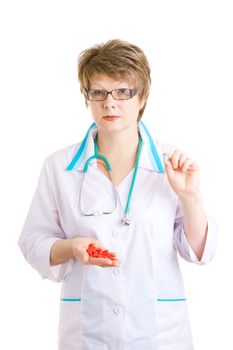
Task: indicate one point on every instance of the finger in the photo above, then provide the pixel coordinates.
(166, 156)
(186, 164)
(113, 253)
(175, 158)
(168, 168)
(182, 159)
(190, 165)
(116, 263)
(104, 262)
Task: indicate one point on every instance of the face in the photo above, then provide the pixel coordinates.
(111, 114)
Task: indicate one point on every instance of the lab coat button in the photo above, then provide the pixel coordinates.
(115, 234)
(116, 272)
(116, 310)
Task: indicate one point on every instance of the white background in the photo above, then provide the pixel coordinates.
(189, 47)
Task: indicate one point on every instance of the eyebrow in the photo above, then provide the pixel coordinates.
(118, 88)
(121, 85)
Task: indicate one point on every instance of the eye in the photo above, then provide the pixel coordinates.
(97, 93)
(123, 92)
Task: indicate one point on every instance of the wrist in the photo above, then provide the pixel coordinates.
(70, 247)
(190, 198)
(61, 251)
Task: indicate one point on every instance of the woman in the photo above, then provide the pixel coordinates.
(143, 210)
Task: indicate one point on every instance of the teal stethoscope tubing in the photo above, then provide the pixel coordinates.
(126, 218)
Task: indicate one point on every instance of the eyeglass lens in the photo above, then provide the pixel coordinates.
(117, 94)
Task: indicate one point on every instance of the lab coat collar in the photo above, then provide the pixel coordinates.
(149, 158)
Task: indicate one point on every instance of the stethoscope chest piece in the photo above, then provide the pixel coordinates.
(126, 220)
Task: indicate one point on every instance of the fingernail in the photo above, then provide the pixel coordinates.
(165, 157)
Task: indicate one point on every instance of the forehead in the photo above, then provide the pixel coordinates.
(105, 82)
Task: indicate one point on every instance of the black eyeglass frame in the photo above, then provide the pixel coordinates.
(132, 92)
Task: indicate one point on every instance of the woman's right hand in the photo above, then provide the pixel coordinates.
(79, 247)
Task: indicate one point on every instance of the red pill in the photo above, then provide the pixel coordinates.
(98, 252)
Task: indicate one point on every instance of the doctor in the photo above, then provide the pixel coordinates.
(145, 208)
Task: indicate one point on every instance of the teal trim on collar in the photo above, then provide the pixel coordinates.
(153, 154)
(78, 156)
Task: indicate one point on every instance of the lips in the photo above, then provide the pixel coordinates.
(110, 117)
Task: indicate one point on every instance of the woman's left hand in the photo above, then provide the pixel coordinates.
(183, 174)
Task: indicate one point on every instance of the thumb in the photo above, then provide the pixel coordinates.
(81, 255)
(85, 257)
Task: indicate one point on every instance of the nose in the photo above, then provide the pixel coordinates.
(109, 103)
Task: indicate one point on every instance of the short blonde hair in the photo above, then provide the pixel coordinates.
(119, 60)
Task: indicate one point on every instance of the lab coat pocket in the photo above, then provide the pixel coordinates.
(70, 324)
(172, 325)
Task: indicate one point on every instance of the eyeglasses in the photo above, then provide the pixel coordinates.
(117, 94)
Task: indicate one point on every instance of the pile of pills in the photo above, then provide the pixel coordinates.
(95, 252)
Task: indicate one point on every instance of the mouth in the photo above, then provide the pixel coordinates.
(110, 117)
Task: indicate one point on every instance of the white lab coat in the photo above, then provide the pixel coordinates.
(139, 305)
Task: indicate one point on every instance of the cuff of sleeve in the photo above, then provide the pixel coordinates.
(210, 245)
(55, 273)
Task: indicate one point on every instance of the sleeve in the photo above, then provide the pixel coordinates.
(42, 229)
(182, 246)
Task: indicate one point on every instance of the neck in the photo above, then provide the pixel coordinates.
(119, 145)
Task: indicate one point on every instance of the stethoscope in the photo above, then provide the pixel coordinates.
(126, 220)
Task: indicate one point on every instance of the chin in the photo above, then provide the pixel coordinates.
(109, 125)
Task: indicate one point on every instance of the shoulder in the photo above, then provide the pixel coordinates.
(61, 158)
